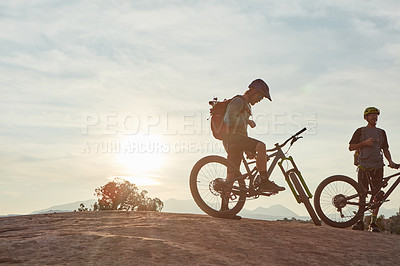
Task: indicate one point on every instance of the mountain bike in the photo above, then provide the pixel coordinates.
(340, 201)
(210, 187)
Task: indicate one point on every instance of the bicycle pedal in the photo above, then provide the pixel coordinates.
(268, 194)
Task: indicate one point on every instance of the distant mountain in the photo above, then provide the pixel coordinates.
(9, 215)
(170, 205)
(275, 212)
(272, 213)
(181, 206)
(69, 207)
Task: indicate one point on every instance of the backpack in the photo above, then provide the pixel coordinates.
(364, 133)
(217, 114)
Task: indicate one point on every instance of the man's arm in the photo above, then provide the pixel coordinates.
(386, 152)
(232, 114)
(365, 143)
(355, 143)
(388, 157)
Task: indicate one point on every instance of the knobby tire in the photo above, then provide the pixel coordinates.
(202, 175)
(333, 188)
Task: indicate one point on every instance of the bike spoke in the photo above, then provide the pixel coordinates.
(339, 190)
(207, 174)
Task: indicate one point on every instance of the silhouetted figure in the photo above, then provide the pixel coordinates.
(369, 142)
(237, 141)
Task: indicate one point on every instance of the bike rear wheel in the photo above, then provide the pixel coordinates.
(209, 189)
(339, 201)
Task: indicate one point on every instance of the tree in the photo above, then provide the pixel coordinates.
(393, 224)
(380, 222)
(120, 194)
(148, 204)
(82, 208)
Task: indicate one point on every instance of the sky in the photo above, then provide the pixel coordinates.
(91, 90)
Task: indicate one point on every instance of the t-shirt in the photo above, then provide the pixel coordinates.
(235, 118)
(371, 156)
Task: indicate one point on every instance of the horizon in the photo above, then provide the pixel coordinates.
(95, 90)
(180, 206)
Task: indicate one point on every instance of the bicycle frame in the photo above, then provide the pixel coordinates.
(372, 204)
(236, 189)
(279, 157)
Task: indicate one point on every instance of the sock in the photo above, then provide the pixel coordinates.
(373, 218)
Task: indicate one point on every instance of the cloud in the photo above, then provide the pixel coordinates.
(60, 60)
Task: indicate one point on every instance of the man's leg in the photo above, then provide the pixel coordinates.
(363, 181)
(234, 154)
(261, 162)
(261, 159)
(245, 143)
(376, 178)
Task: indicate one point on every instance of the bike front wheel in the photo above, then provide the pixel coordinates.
(211, 192)
(339, 201)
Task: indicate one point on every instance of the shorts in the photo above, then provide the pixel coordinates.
(376, 177)
(235, 145)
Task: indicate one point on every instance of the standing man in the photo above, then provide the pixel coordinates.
(237, 141)
(370, 142)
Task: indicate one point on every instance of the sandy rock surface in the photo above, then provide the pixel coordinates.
(149, 238)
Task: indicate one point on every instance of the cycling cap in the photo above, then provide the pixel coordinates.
(371, 110)
(260, 86)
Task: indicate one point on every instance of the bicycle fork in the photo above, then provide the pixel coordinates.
(291, 174)
(299, 188)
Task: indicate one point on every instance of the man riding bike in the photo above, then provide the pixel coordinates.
(237, 118)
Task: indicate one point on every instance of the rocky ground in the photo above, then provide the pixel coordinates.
(149, 238)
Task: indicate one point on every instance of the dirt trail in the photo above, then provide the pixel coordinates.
(148, 238)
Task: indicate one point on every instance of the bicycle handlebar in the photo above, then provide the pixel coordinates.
(294, 138)
(396, 166)
(301, 131)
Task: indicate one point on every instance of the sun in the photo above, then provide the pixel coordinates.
(141, 155)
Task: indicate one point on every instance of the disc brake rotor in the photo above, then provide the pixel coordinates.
(216, 186)
(339, 201)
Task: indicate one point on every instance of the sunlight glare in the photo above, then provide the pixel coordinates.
(141, 154)
(138, 181)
